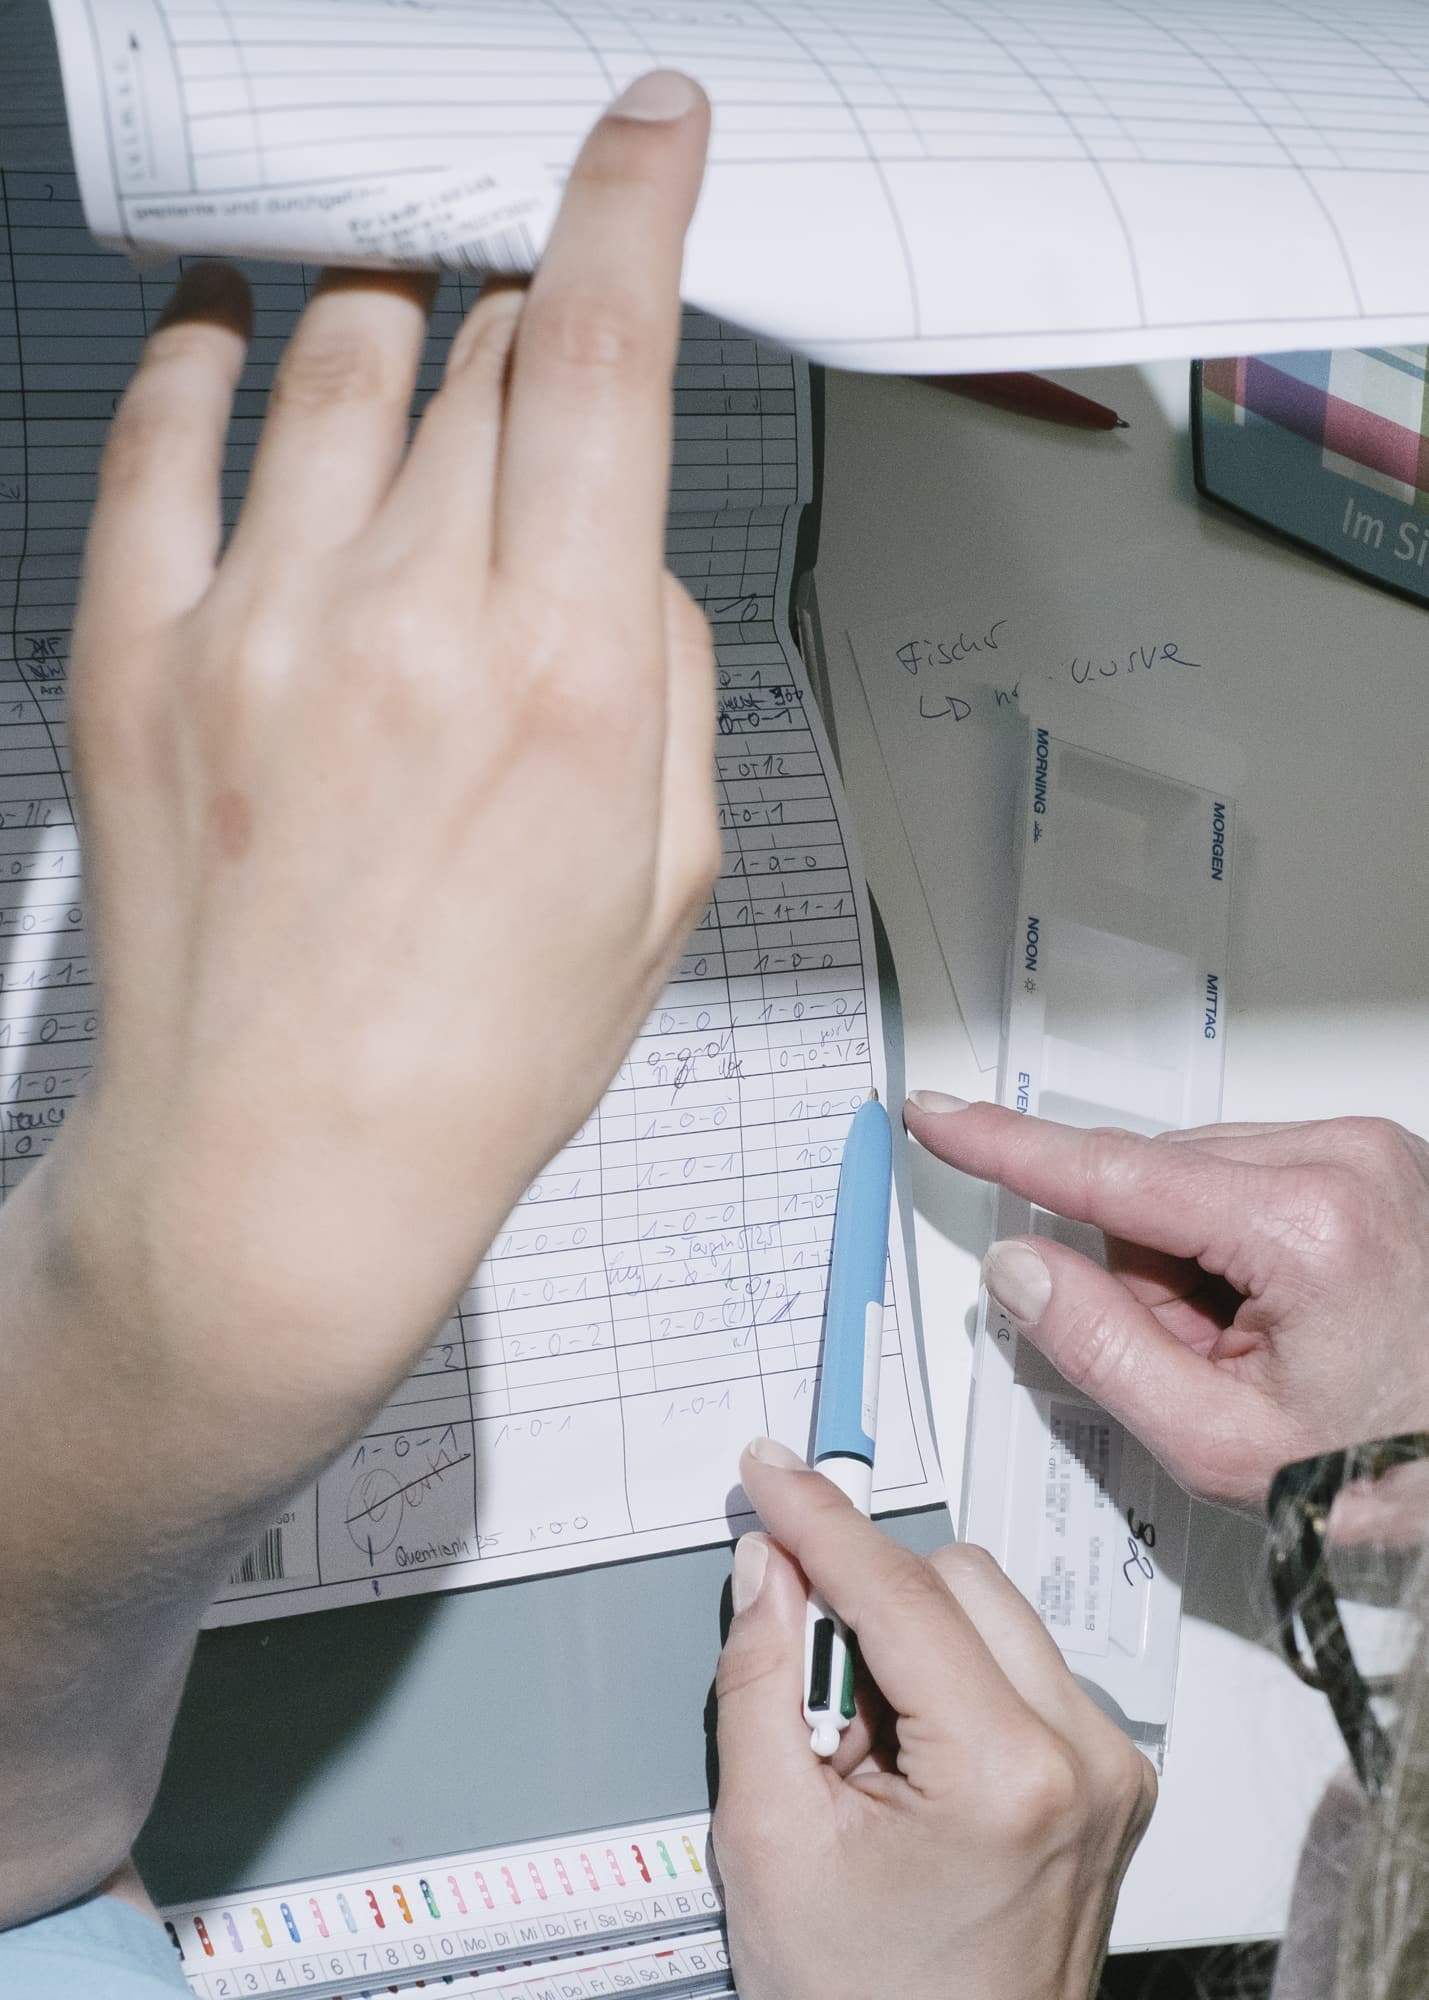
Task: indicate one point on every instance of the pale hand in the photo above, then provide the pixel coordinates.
(972, 1830)
(1266, 1296)
(397, 811)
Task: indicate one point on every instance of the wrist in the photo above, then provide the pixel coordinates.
(108, 1360)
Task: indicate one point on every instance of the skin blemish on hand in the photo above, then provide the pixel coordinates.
(232, 818)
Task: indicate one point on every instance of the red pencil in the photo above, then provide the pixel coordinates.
(1030, 396)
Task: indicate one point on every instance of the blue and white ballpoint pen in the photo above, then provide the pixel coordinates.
(847, 1422)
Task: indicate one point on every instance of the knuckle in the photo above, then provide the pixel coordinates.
(1374, 1143)
(131, 454)
(590, 331)
(169, 397)
(380, 636)
(910, 1591)
(141, 434)
(567, 709)
(1042, 1797)
(1090, 1348)
(331, 366)
(1335, 1212)
(1134, 1799)
(746, 1667)
(573, 692)
(1327, 1213)
(1107, 1161)
(965, 1563)
(1119, 1776)
(1113, 1164)
(393, 665)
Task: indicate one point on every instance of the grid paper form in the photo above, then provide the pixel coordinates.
(893, 183)
(655, 1300)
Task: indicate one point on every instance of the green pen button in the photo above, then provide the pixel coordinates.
(846, 1702)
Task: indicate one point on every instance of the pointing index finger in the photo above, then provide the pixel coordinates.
(1181, 1199)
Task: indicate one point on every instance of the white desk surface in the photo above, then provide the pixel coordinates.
(927, 496)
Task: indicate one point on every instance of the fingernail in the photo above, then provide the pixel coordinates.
(937, 1102)
(769, 1451)
(751, 1559)
(213, 292)
(1018, 1280)
(659, 97)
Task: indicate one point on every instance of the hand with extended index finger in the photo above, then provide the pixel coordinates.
(1265, 1296)
(973, 1831)
(398, 809)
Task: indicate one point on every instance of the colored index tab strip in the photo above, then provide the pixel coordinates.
(596, 1893)
(695, 1967)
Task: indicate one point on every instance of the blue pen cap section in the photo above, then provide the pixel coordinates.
(856, 1272)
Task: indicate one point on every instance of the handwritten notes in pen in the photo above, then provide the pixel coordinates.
(945, 691)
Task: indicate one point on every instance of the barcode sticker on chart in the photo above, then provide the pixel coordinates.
(507, 250)
(286, 1553)
(262, 1564)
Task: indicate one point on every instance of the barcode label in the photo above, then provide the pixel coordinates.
(263, 1564)
(507, 250)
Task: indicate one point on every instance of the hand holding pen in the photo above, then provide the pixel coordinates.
(967, 1818)
(970, 1833)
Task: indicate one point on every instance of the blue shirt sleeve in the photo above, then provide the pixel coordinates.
(100, 1947)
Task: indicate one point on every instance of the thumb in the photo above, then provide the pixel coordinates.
(1208, 1429)
(766, 1769)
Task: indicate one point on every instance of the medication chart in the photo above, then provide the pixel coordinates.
(1007, 183)
(655, 1300)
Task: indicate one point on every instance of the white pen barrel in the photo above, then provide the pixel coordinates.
(853, 1477)
(828, 1664)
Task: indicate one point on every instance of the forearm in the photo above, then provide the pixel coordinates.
(109, 1551)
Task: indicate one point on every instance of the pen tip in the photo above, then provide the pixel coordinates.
(1122, 424)
(873, 1096)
